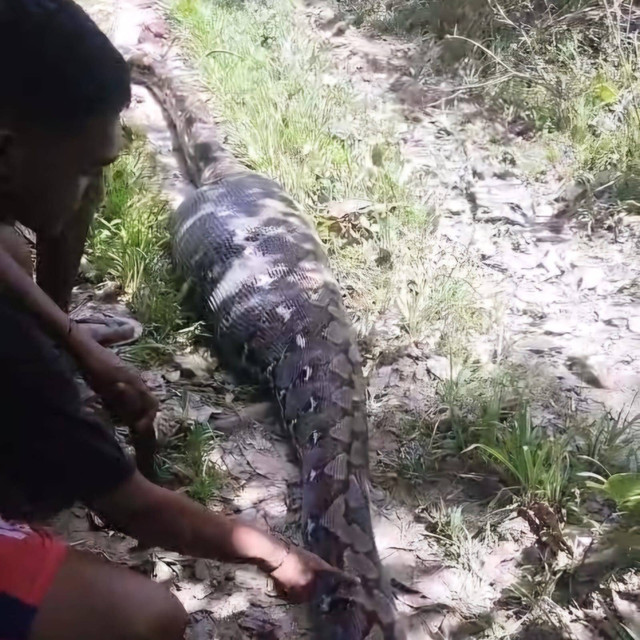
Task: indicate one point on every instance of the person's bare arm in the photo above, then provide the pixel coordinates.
(119, 386)
(167, 519)
(54, 321)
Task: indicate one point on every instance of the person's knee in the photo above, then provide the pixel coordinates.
(164, 618)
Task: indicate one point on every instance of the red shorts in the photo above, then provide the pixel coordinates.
(29, 561)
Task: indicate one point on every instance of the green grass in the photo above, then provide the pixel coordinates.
(534, 464)
(576, 75)
(622, 488)
(129, 245)
(187, 458)
(485, 420)
(433, 294)
(417, 455)
(285, 114)
(590, 97)
(450, 527)
(206, 479)
(611, 440)
(569, 67)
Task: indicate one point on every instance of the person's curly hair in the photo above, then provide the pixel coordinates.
(57, 69)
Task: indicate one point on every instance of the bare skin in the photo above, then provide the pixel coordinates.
(163, 518)
(90, 598)
(119, 386)
(88, 592)
(159, 517)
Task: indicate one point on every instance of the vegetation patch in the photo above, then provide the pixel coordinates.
(129, 245)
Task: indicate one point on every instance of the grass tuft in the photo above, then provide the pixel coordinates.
(189, 459)
(129, 245)
(286, 115)
(533, 463)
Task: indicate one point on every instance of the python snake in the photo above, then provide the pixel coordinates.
(268, 297)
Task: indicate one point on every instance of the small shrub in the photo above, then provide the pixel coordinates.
(622, 488)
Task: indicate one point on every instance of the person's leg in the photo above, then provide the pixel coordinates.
(58, 260)
(92, 599)
(51, 592)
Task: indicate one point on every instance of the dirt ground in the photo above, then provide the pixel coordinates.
(565, 305)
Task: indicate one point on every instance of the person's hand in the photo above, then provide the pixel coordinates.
(297, 575)
(123, 392)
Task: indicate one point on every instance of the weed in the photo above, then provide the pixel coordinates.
(438, 297)
(189, 458)
(536, 465)
(417, 454)
(473, 401)
(206, 478)
(534, 593)
(128, 244)
(622, 488)
(449, 526)
(610, 442)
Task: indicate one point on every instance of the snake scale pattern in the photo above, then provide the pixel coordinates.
(268, 297)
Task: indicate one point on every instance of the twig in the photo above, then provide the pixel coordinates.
(458, 91)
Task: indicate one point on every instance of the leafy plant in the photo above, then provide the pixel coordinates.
(610, 442)
(622, 488)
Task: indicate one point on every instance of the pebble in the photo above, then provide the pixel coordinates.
(172, 376)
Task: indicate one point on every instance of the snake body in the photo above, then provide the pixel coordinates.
(267, 294)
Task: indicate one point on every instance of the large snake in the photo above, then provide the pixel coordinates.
(268, 297)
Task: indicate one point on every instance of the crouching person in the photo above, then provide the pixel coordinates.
(62, 88)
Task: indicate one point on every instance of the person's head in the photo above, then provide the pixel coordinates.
(62, 88)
